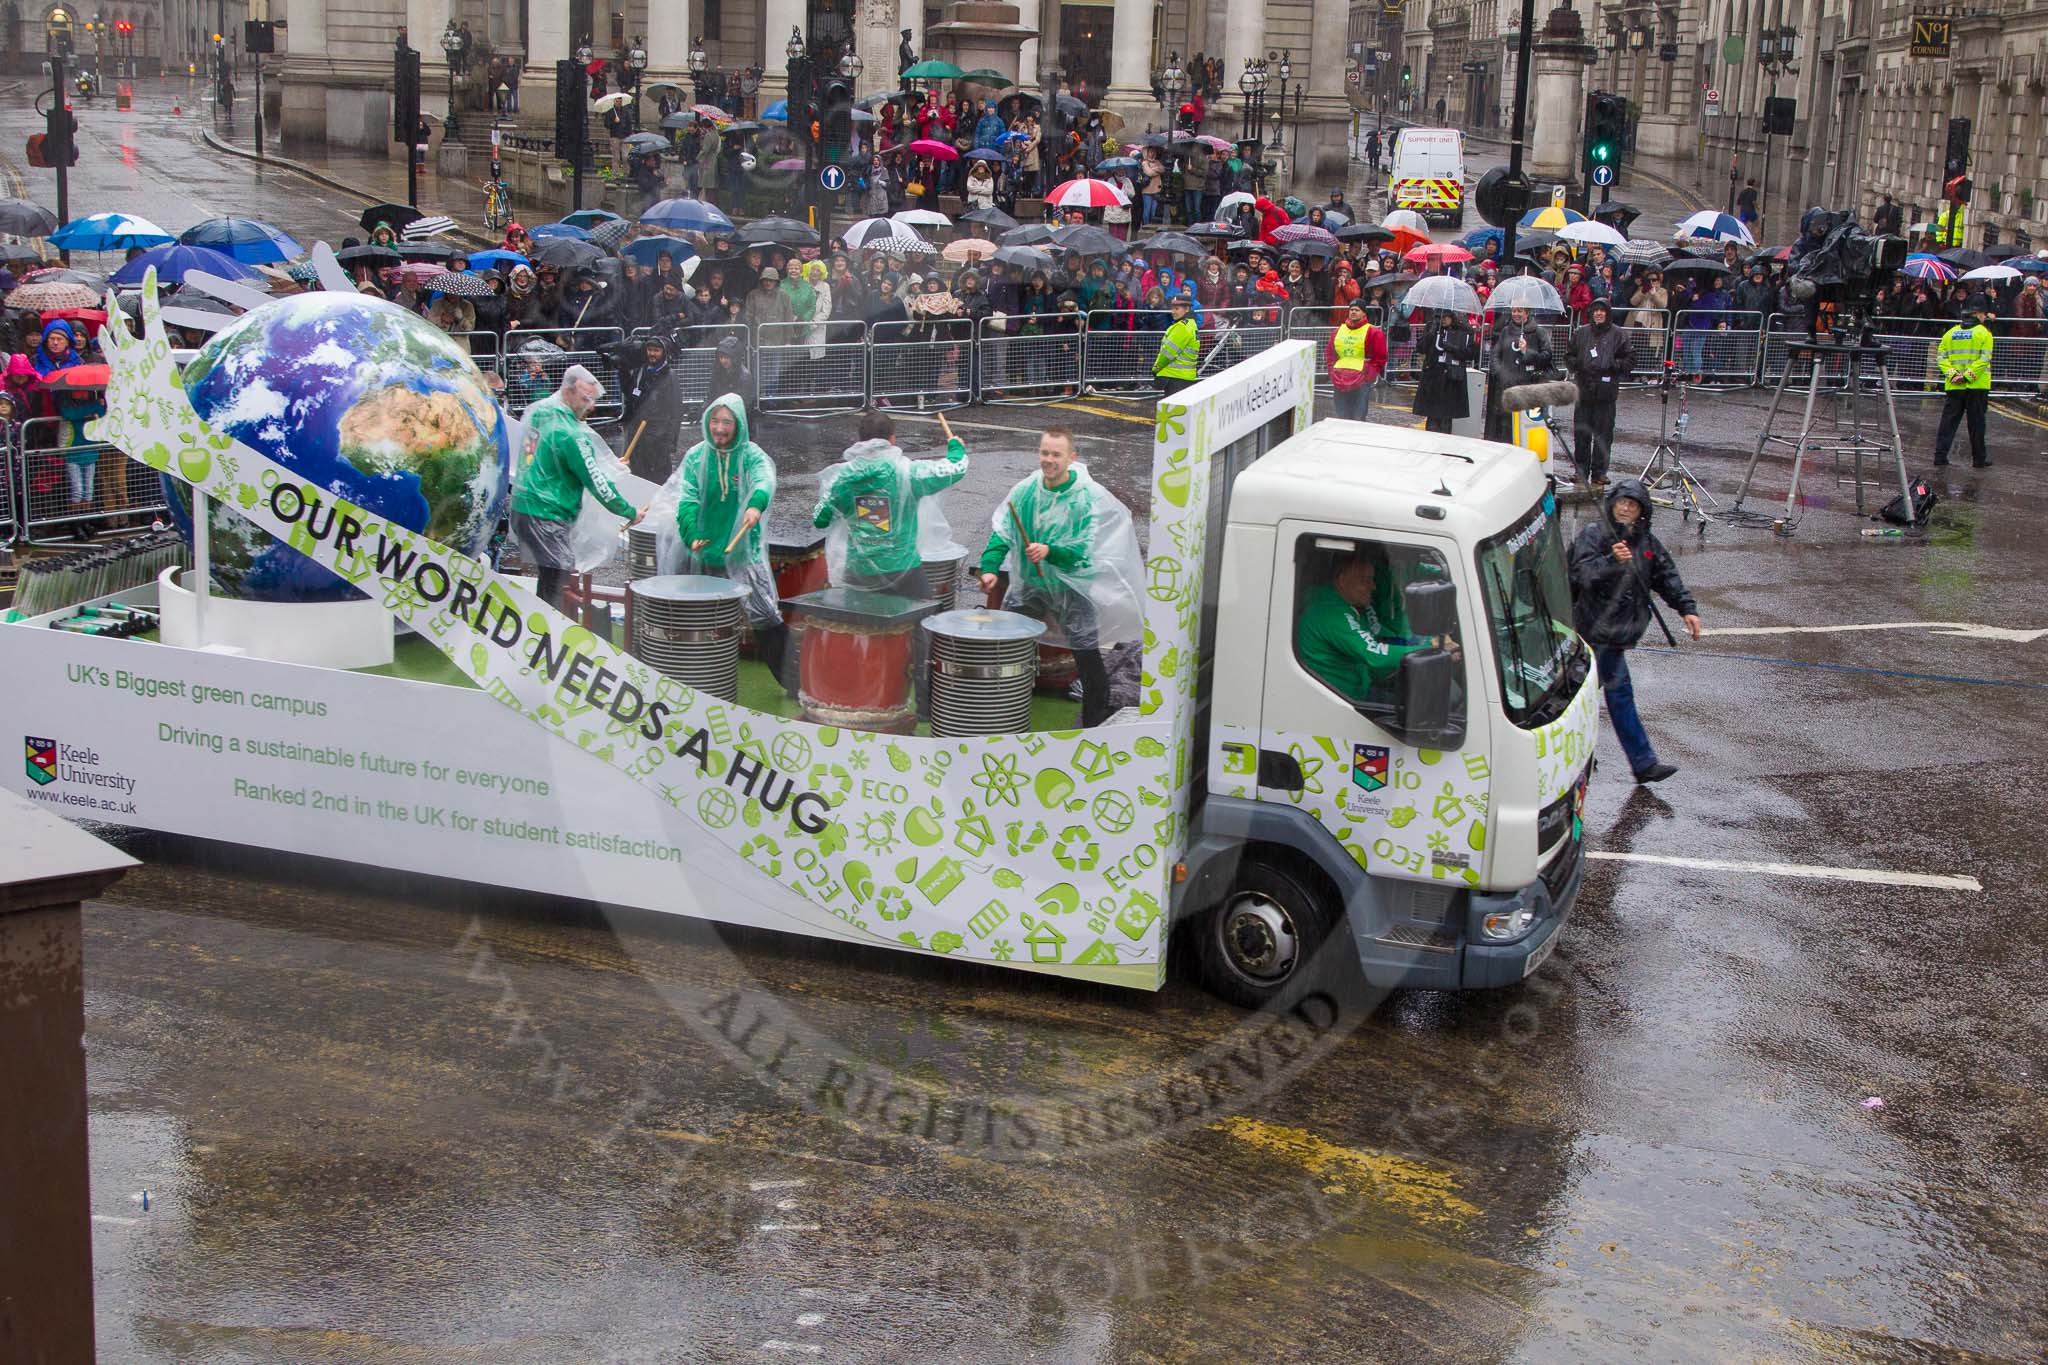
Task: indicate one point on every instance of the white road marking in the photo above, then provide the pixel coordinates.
(1876, 875)
(1961, 630)
(789, 1227)
(801, 1347)
(785, 1205)
(809, 1319)
(759, 1185)
(116, 1221)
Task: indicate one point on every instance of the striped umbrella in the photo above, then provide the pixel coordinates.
(611, 232)
(881, 234)
(1715, 227)
(1928, 268)
(1309, 232)
(1636, 251)
(1086, 193)
(433, 225)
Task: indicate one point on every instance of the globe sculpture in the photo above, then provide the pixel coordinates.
(364, 399)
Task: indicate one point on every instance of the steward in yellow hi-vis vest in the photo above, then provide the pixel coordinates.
(1965, 360)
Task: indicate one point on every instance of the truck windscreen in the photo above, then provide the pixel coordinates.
(1528, 594)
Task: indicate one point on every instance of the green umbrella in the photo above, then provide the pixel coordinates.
(984, 76)
(933, 71)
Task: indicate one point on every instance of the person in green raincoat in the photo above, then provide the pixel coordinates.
(874, 500)
(1044, 538)
(1353, 631)
(555, 473)
(724, 484)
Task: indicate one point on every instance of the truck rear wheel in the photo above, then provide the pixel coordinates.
(1259, 941)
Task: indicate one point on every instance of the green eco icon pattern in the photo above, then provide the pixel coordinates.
(1046, 850)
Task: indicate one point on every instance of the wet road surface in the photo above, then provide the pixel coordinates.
(380, 1120)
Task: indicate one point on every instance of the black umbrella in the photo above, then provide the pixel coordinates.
(1069, 107)
(1172, 243)
(1697, 267)
(2004, 251)
(425, 251)
(991, 216)
(646, 142)
(393, 216)
(1150, 140)
(1031, 234)
(18, 253)
(1617, 215)
(1363, 232)
(566, 253)
(1962, 258)
(1309, 248)
(872, 100)
(25, 219)
(681, 119)
(461, 284)
(1024, 257)
(741, 129)
(781, 232)
(1242, 250)
(1215, 231)
(1087, 239)
(367, 254)
(57, 274)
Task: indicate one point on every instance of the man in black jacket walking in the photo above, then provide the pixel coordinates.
(1600, 356)
(1616, 563)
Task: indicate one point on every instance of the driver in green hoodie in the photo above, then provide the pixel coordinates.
(724, 485)
(875, 496)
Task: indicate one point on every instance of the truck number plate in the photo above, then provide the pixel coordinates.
(1541, 955)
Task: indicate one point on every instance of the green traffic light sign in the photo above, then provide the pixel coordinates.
(1602, 152)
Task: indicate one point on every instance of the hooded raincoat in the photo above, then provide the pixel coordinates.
(1092, 577)
(710, 489)
(1611, 599)
(872, 509)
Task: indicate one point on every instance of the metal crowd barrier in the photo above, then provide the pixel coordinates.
(928, 362)
(807, 367)
(590, 347)
(117, 488)
(1022, 363)
(10, 473)
(1122, 344)
(1720, 347)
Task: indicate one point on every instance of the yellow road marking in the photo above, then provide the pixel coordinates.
(1423, 1192)
(1101, 412)
(2017, 416)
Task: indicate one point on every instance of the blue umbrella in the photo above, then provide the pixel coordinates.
(589, 218)
(174, 262)
(646, 250)
(495, 257)
(108, 232)
(569, 230)
(777, 112)
(248, 240)
(987, 154)
(686, 215)
(1477, 238)
(2029, 265)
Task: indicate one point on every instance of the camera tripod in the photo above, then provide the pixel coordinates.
(1667, 473)
(1864, 358)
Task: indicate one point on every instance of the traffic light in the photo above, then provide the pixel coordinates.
(1606, 129)
(1407, 74)
(405, 99)
(1957, 159)
(122, 26)
(1957, 189)
(837, 116)
(572, 112)
(60, 147)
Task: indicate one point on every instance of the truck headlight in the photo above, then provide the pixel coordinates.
(1507, 924)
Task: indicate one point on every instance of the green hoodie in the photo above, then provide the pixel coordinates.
(714, 486)
(1062, 519)
(876, 492)
(559, 467)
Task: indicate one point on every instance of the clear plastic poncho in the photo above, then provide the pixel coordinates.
(594, 537)
(1087, 519)
(883, 513)
(715, 488)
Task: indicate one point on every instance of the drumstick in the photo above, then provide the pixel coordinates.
(1023, 536)
(627, 458)
(944, 425)
(736, 538)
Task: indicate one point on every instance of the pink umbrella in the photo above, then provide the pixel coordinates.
(942, 151)
(1214, 143)
(712, 112)
(788, 163)
(1446, 253)
(417, 273)
(1086, 194)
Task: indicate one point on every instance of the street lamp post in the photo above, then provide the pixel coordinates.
(1252, 86)
(636, 67)
(1171, 80)
(451, 45)
(700, 64)
(1777, 51)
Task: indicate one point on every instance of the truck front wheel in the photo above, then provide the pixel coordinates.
(1260, 940)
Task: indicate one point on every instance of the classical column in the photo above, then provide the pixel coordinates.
(1130, 61)
(783, 15)
(1559, 62)
(1244, 34)
(425, 21)
(547, 38)
(668, 36)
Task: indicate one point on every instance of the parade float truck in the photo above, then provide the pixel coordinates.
(1434, 818)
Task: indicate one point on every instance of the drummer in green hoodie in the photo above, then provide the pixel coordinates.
(875, 498)
(724, 485)
(556, 470)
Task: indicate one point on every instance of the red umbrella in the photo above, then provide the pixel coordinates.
(78, 377)
(943, 151)
(1086, 194)
(94, 318)
(1446, 253)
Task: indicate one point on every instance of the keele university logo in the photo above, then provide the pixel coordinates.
(42, 759)
(1369, 766)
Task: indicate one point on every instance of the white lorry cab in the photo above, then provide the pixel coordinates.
(1421, 783)
(1427, 174)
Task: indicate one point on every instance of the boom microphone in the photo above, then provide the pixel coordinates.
(1554, 393)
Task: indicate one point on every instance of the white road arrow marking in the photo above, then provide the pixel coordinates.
(1961, 630)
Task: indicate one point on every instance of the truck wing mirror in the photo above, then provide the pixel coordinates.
(1424, 688)
(1432, 608)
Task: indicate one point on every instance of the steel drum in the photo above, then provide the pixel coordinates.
(688, 627)
(984, 666)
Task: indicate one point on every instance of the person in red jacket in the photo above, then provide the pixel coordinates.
(1355, 356)
(1578, 295)
(1269, 296)
(1271, 219)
